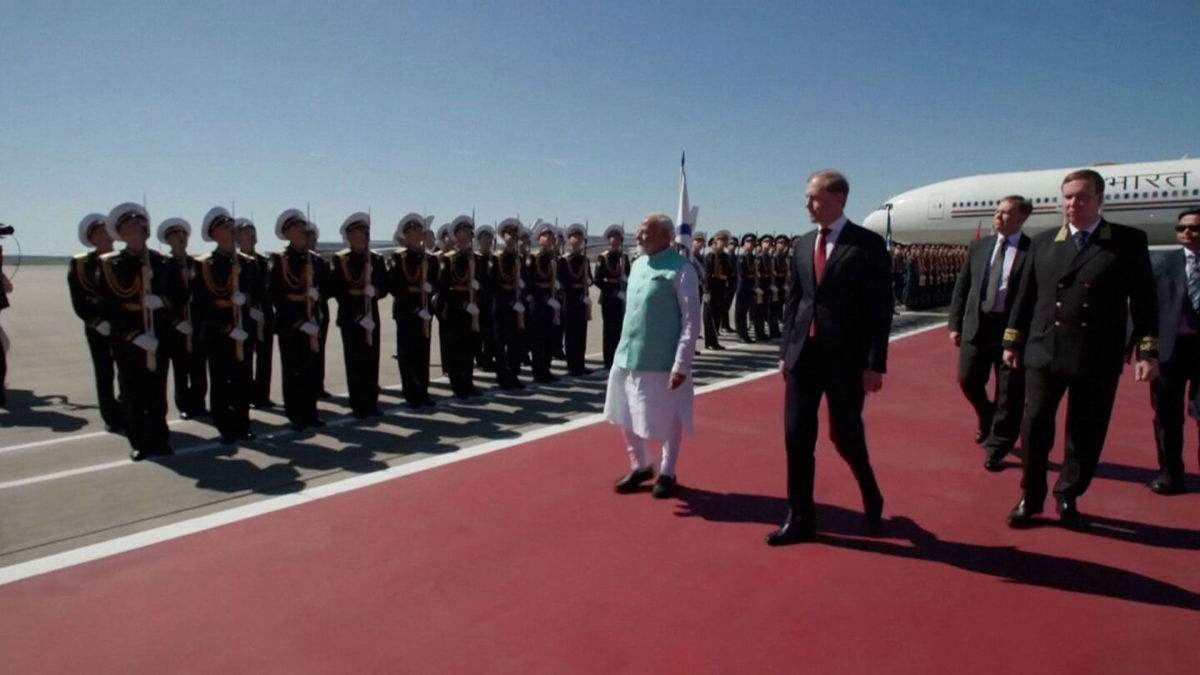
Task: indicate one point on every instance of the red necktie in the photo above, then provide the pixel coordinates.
(818, 272)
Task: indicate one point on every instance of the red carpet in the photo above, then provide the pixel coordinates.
(525, 561)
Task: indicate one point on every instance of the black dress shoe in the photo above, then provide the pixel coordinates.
(361, 414)
(185, 415)
(544, 379)
(316, 422)
(1023, 513)
(873, 511)
(994, 464)
(247, 436)
(792, 532)
(1068, 512)
(980, 436)
(298, 426)
(228, 440)
(664, 487)
(717, 348)
(138, 455)
(265, 404)
(1167, 485)
(632, 480)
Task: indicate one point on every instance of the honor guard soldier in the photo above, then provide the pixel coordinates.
(717, 271)
(458, 289)
(136, 290)
(411, 274)
(748, 293)
(577, 299)
(262, 314)
(445, 244)
(314, 236)
(359, 280)
(508, 282)
(294, 284)
(184, 351)
(1084, 288)
(542, 296)
(486, 357)
(612, 273)
(225, 289)
(766, 286)
(83, 279)
(779, 282)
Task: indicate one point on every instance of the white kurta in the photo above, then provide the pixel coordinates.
(642, 401)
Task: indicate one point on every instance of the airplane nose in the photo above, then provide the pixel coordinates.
(876, 221)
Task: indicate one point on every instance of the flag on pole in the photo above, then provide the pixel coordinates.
(685, 220)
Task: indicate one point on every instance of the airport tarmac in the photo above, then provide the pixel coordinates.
(66, 483)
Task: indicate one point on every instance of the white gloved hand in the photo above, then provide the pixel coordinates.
(184, 327)
(587, 302)
(518, 307)
(553, 304)
(520, 283)
(238, 334)
(257, 314)
(369, 291)
(104, 328)
(367, 323)
(427, 287)
(152, 302)
(314, 294)
(621, 295)
(475, 284)
(557, 286)
(238, 298)
(146, 341)
(310, 328)
(472, 309)
(424, 315)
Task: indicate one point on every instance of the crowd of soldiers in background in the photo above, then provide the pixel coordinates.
(923, 275)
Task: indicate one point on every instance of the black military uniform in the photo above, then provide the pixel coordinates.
(458, 284)
(486, 357)
(125, 280)
(294, 278)
(761, 311)
(747, 287)
(507, 282)
(83, 279)
(225, 288)
(779, 283)
(411, 276)
(1069, 319)
(358, 282)
(717, 271)
(264, 336)
(3, 354)
(577, 310)
(325, 319)
(545, 270)
(184, 350)
(612, 273)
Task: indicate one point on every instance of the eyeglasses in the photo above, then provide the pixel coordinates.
(1190, 229)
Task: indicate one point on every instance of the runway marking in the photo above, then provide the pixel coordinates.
(79, 556)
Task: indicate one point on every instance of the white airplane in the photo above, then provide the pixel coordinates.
(1147, 195)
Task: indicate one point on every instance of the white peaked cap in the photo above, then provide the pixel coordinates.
(85, 227)
(544, 228)
(699, 234)
(286, 217)
(460, 222)
(119, 213)
(356, 218)
(576, 227)
(510, 223)
(173, 224)
(485, 229)
(618, 229)
(410, 220)
(442, 232)
(214, 215)
(243, 223)
(722, 233)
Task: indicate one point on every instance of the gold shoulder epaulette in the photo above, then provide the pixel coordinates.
(1148, 344)
(1013, 335)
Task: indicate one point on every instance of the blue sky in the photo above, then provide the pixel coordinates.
(569, 110)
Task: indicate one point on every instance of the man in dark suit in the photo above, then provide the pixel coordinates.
(836, 322)
(1177, 279)
(1068, 329)
(979, 313)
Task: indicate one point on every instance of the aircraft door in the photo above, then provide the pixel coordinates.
(937, 207)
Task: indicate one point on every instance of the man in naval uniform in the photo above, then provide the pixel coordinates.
(458, 289)
(83, 279)
(577, 299)
(1068, 330)
(359, 280)
(545, 274)
(718, 269)
(225, 288)
(314, 236)
(612, 271)
(263, 316)
(485, 358)
(508, 308)
(748, 294)
(979, 312)
(294, 282)
(766, 289)
(185, 352)
(412, 272)
(650, 388)
(445, 244)
(137, 292)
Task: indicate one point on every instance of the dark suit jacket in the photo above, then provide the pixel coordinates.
(1170, 281)
(968, 290)
(1070, 314)
(852, 306)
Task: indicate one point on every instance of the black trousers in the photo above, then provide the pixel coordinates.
(510, 345)
(612, 312)
(143, 397)
(711, 312)
(1168, 398)
(742, 313)
(412, 353)
(486, 356)
(362, 367)
(322, 337)
(575, 323)
(4, 375)
(760, 313)
(1089, 407)
(231, 385)
(461, 344)
(774, 302)
(299, 363)
(188, 369)
(264, 354)
(999, 414)
(545, 332)
(102, 367)
(726, 310)
(822, 371)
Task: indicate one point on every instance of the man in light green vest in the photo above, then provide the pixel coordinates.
(649, 386)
